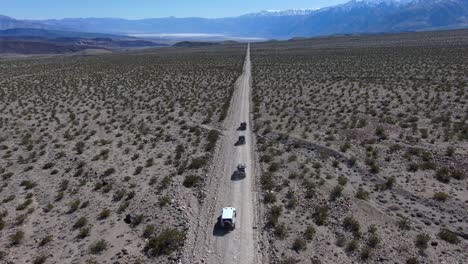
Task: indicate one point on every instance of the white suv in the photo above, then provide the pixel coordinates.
(228, 218)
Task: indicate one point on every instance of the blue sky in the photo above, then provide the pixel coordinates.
(135, 9)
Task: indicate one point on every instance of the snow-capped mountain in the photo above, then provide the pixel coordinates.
(289, 12)
(355, 16)
(388, 2)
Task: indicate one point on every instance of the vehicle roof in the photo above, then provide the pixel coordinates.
(228, 213)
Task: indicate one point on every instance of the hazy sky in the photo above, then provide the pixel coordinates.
(134, 9)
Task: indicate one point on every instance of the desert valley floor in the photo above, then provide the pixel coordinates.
(356, 151)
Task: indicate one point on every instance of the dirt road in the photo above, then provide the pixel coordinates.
(207, 243)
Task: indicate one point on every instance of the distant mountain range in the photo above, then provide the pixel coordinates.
(45, 33)
(42, 41)
(356, 16)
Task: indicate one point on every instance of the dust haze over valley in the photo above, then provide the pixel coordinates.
(123, 149)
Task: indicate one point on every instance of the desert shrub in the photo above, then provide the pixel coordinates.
(198, 163)
(380, 133)
(457, 175)
(366, 253)
(7, 175)
(131, 194)
(340, 241)
(81, 222)
(424, 133)
(362, 194)
(24, 205)
(212, 138)
(373, 166)
(342, 180)
(137, 220)
(310, 192)
(292, 202)
(299, 244)
(289, 260)
(412, 260)
(441, 196)
(79, 147)
(168, 241)
(316, 165)
(165, 182)
(336, 192)
(389, 183)
(119, 194)
(320, 216)
(372, 229)
(17, 238)
(8, 199)
(40, 259)
(266, 158)
(309, 233)
(316, 261)
(138, 170)
(152, 181)
(59, 196)
(19, 220)
(28, 185)
(63, 186)
(148, 231)
(269, 198)
(335, 164)
(351, 224)
(123, 206)
(267, 181)
(373, 241)
(427, 165)
(191, 181)
(46, 240)
(274, 167)
(450, 151)
(84, 232)
(104, 214)
(48, 165)
(280, 230)
(163, 201)
(442, 175)
(75, 205)
(275, 213)
(48, 208)
(135, 156)
(149, 162)
(422, 241)
(352, 245)
(345, 146)
(404, 223)
(109, 172)
(413, 167)
(292, 158)
(449, 236)
(98, 246)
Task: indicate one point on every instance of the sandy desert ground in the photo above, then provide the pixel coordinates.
(363, 146)
(102, 156)
(356, 152)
